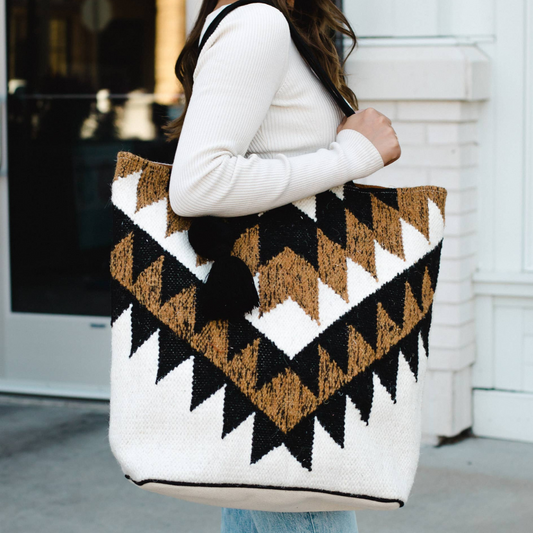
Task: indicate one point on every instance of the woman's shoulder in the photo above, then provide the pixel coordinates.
(255, 18)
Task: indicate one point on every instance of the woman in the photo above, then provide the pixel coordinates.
(260, 131)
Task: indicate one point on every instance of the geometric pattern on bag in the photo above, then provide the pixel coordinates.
(303, 256)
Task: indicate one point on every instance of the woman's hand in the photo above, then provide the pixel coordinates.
(377, 128)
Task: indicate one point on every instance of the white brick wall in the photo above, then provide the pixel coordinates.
(440, 147)
(435, 97)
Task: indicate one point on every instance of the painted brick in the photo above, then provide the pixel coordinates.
(456, 247)
(395, 176)
(462, 400)
(451, 359)
(387, 108)
(454, 179)
(431, 111)
(453, 314)
(450, 156)
(453, 336)
(457, 225)
(410, 132)
(464, 201)
(457, 269)
(446, 402)
(454, 292)
(452, 133)
(439, 147)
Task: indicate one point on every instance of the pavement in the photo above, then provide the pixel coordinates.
(58, 475)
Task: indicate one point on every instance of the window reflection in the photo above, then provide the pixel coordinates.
(87, 78)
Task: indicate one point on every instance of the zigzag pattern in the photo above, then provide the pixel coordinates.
(285, 399)
(305, 251)
(285, 395)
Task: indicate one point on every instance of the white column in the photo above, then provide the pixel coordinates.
(433, 95)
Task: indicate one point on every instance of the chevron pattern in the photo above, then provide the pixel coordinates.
(292, 255)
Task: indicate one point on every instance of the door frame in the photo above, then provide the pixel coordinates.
(55, 355)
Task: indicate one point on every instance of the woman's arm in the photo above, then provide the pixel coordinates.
(239, 71)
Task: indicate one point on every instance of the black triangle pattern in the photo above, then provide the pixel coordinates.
(394, 303)
(122, 224)
(360, 205)
(332, 415)
(365, 315)
(271, 361)
(145, 253)
(361, 391)
(121, 299)
(388, 197)
(306, 364)
(237, 408)
(335, 343)
(299, 441)
(240, 335)
(416, 280)
(386, 369)
(409, 349)
(425, 325)
(298, 233)
(208, 379)
(174, 275)
(266, 437)
(331, 218)
(172, 352)
(434, 265)
(143, 325)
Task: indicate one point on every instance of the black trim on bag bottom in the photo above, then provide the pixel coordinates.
(246, 486)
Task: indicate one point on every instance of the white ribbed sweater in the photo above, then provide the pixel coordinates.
(261, 129)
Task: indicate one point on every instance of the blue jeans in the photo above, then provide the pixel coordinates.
(243, 521)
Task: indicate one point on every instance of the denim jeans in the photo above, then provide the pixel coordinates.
(244, 521)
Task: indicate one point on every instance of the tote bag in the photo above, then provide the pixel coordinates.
(312, 400)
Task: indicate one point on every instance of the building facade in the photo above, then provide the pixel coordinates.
(80, 80)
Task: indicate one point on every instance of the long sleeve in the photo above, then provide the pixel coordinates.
(240, 70)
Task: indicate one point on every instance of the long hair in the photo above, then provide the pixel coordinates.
(316, 21)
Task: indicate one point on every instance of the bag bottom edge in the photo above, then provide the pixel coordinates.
(266, 498)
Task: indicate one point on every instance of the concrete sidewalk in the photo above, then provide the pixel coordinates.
(58, 476)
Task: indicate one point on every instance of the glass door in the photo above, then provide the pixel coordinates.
(85, 80)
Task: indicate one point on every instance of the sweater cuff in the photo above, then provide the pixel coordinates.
(362, 156)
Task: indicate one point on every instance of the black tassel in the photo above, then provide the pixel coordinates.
(229, 290)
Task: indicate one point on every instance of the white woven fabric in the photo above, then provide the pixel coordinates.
(168, 448)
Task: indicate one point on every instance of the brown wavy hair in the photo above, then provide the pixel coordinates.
(316, 21)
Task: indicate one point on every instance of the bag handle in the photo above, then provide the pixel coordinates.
(301, 45)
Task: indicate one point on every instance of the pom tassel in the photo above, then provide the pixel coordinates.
(229, 290)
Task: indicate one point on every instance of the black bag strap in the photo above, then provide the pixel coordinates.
(301, 45)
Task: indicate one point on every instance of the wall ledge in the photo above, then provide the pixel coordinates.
(431, 72)
(517, 284)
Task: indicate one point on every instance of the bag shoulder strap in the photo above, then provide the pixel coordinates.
(301, 45)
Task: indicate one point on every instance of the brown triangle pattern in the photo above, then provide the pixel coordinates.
(332, 267)
(285, 399)
(288, 274)
(414, 210)
(387, 227)
(152, 187)
(246, 247)
(360, 246)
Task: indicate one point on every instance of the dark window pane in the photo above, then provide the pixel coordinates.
(82, 86)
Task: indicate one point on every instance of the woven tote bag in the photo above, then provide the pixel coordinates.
(312, 400)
